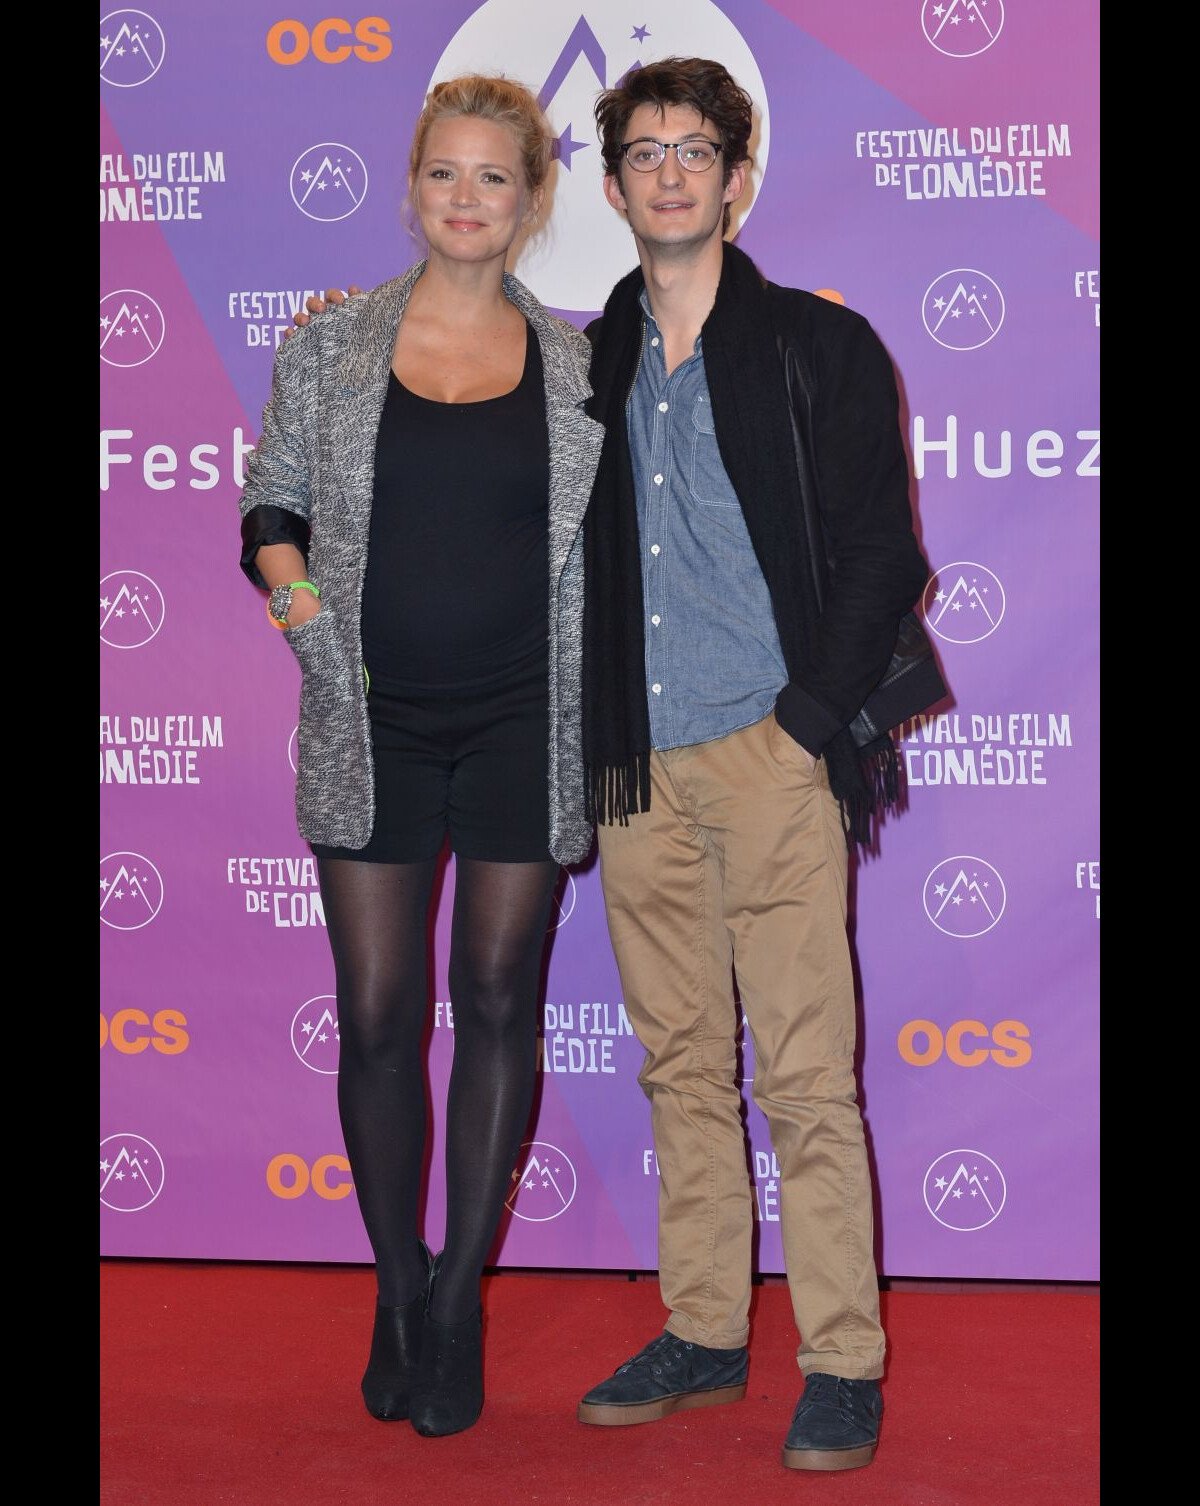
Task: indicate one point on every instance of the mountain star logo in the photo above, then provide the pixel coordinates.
(329, 181)
(131, 1173)
(315, 1036)
(962, 28)
(963, 602)
(567, 53)
(131, 891)
(965, 1190)
(963, 309)
(544, 1187)
(964, 896)
(132, 47)
(563, 905)
(131, 327)
(131, 609)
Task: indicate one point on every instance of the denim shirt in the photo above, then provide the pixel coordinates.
(713, 660)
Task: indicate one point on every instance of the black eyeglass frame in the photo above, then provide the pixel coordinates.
(665, 147)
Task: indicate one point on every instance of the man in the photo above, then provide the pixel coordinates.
(749, 556)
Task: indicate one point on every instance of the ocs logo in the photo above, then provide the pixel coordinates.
(964, 602)
(131, 891)
(315, 1036)
(567, 54)
(132, 47)
(962, 28)
(963, 309)
(964, 897)
(545, 1186)
(329, 181)
(965, 1190)
(131, 609)
(131, 327)
(563, 906)
(290, 1176)
(166, 1032)
(131, 1173)
(329, 41)
(921, 1043)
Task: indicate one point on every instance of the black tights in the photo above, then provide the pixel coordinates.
(377, 913)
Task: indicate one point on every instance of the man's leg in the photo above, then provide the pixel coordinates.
(778, 833)
(662, 898)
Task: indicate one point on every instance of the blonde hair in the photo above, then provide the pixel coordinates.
(490, 98)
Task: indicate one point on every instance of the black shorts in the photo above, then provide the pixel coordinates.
(475, 767)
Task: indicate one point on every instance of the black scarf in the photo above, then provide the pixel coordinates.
(746, 380)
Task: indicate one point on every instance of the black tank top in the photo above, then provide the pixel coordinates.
(455, 597)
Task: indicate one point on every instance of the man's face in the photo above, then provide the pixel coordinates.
(670, 209)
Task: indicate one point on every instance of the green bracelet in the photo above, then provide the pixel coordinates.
(304, 585)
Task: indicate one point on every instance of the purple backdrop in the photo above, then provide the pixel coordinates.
(933, 165)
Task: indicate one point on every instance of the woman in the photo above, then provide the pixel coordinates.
(414, 507)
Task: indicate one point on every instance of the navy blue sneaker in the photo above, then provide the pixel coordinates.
(669, 1375)
(835, 1424)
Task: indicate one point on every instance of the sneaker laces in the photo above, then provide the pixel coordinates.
(657, 1351)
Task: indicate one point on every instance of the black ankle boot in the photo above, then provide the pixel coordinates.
(447, 1395)
(395, 1349)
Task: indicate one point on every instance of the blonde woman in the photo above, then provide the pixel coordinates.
(413, 508)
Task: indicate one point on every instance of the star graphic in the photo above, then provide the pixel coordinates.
(640, 33)
(941, 596)
(956, 606)
(974, 899)
(939, 303)
(104, 41)
(529, 1184)
(974, 1191)
(958, 1192)
(338, 1039)
(939, 10)
(307, 1027)
(972, 312)
(103, 1165)
(974, 604)
(321, 185)
(954, 20)
(120, 52)
(120, 1176)
(940, 1183)
(939, 890)
(956, 313)
(119, 330)
(134, 1173)
(987, 1179)
(105, 322)
(104, 883)
(322, 1037)
(565, 146)
(957, 900)
(306, 177)
(120, 612)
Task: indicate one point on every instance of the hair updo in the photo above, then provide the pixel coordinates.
(495, 98)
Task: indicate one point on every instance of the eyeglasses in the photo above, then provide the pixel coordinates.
(696, 155)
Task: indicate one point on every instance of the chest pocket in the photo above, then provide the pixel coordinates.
(709, 484)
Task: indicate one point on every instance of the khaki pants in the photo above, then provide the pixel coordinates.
(741, 862)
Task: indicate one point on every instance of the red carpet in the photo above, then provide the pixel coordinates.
(234, 1385)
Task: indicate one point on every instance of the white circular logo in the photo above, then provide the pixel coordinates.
(294, 749)
(131, 327)
(964, 896)
(963, 602)
(543, 1187)
(962, 28)
(563, 905)
(567, 55)
(132, 47)
(131, 891)
(965, 1190)
(963, 309)
(329, 181)
(131, 609)
(131, 1173)
(315, 1036)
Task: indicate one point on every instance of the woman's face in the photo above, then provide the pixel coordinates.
(470, 191)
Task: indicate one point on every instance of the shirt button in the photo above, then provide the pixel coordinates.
(657, 689)
(654, 341)
(656, 619)
(654, 549)
(658, 480)
(662, 407)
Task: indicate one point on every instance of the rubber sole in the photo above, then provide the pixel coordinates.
(828, 1458)
(607, 1416)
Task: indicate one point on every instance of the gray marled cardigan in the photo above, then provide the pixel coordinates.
(316, 458)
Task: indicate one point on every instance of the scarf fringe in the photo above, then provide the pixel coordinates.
(614, 792)
(867, 784)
